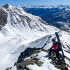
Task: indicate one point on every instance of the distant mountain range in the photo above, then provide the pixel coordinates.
(58, 16)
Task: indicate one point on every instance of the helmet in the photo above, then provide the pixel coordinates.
(53, 40)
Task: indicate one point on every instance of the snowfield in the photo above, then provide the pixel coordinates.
(25, 30)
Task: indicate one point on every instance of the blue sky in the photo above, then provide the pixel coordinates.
(35, 2)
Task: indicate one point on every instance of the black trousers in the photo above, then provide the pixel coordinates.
(56, 51)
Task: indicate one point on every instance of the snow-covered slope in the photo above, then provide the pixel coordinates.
(58, 16)
(21, 23)
(21, 28)
(46, 43)
(21, 31)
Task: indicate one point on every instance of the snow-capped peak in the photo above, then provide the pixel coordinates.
(7, 6)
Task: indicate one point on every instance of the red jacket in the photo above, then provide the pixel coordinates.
(55, 46)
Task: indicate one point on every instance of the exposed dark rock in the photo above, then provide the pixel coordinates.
(3, 18)
(38, 62)
(6, 6)
(21, 64)
(9, 68)
(26, 53)
(64, 68)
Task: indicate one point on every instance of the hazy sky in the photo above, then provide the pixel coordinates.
(35, 2)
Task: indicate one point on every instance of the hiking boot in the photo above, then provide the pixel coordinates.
(49, 57)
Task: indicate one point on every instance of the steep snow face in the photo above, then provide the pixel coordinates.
(23, 24)
(21, 29)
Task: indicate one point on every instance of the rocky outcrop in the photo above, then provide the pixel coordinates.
(3, 18)
(23, 61)
(22, 64)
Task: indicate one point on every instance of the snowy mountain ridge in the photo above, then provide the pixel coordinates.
(58, 16)
(23, 30)
(67, 7)
(19, 22)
